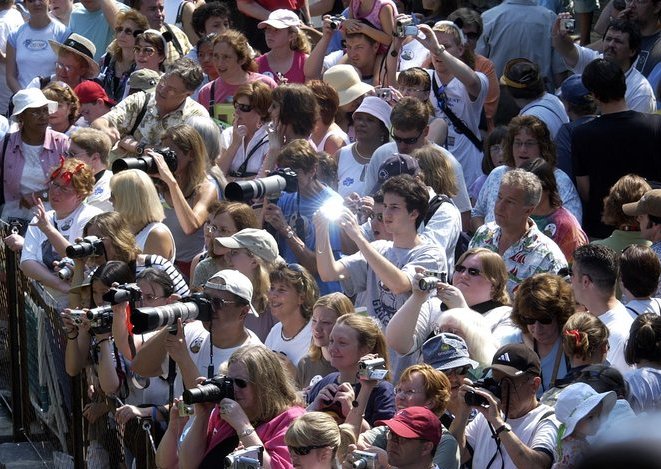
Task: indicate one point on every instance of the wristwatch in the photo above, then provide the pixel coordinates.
(506, 427)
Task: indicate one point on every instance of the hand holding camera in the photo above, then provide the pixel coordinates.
(164, 172)
(372, 368)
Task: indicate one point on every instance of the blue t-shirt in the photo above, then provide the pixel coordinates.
(94, 26)
(289, 204)
(380, 405)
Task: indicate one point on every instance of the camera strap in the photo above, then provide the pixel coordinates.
(241, 172)
(141, 114)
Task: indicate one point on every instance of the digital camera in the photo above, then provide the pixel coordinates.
(146, 163)
(475, 400)
(364, 460)
(401, 24)
(212, 390)
(372, 369)
(336, 21)
(246, 458)
(90, 246)
(431, 279)
(128, 292)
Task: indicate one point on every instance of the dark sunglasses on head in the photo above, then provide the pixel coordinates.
(296, 268)
(530, 321)
(304, 450)
(407, 141)
(472, 271)
(243, 107)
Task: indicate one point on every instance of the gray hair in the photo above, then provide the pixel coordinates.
(528, 182)
(189, 71)
(209, 132)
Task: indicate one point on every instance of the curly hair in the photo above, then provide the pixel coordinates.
(302, 281)
(543, 296)
(63, 94)
(436, 383)
(80, 176)
(538, 130)
(627, 189)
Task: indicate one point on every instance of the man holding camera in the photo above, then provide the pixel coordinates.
(512, 429)
(142, 119)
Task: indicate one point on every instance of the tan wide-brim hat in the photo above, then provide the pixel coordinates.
(346, 81)
(80, 46)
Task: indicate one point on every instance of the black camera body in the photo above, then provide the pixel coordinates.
(100, 319)
(128, 292)
(281, 180)
(190, 308)
(475, 400)
(146, 163)
(212, 390)
(90, 246)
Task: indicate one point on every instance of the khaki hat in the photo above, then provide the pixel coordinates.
(80, 46)
(144, 80)
(346, 81)
(259, 242)
(649, 204)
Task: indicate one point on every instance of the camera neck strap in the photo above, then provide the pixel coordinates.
(241, 172)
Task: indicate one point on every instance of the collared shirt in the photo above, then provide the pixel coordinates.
(153, 126)
(185, 44)
(533, 253)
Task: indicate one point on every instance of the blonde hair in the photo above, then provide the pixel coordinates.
(341, 305)
(436, 170)
(135, 197)
(189, 141)
(300, 279)
(300, 41)
(316, 429)
(93, 141)
(273, 387)
(369, 334)
(62, 93)
(111, 225)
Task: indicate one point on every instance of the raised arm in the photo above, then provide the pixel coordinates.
(329, 269)
(562, 42)
(314, 64)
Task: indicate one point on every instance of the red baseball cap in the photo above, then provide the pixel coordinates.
(89, 91)
(415, 422)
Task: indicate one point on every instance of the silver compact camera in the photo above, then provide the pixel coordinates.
(569, 25)
(246, 458)
(363, 460)
(372, 369)
(431, 279)
(336, 21)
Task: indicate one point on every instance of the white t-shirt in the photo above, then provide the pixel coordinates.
(295, 348)
(638, 307)
(198, 344)
(10, 20)
(550, 110)
(100, 196)
(469, 112)
(644, 389)
(534, 431)
(443, 229)
(618, 321)
(351, 175)
(413, 54)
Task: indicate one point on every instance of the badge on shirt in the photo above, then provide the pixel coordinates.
(196, 345)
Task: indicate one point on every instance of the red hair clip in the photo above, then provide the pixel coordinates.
(576, 335)
(54, 175)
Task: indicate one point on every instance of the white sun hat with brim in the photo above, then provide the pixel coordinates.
(578, 400)
(345, 79)
(31, 98)
(80, 46)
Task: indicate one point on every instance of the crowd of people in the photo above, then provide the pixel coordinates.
(419, 235)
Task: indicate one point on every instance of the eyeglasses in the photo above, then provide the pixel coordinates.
(63, 189)
(546, 320)
(407, 392)
(472, 271)
(243, 107)
(498, 148)
(525, 144)
(148, 51)
(407, 141)
(220, 303)
(459, 371)
(60, 66)
(240, 383)
(70, 154)
(304, 450)
(127, 31)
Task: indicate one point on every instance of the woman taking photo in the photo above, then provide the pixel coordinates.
(52, 231)
(542, 306)
(372, 127)
(24, 62)
(236, 67)
(29, 155)
(68, 106)
(135, 198)
(224, 219)
(150, 51)
(288, 48)
(187, 192)
(527, 138)
(326, 311)
(352, 338)
(119, 62)
(246, 143)
(263, 408)
(292, 295)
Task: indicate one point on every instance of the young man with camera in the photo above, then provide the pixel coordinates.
(512, 429)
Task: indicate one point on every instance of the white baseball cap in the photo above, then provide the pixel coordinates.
(234, 282)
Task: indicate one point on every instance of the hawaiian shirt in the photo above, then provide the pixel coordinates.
(534, 253)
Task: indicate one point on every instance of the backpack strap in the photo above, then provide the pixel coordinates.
(212, 100)
(180, 13)
(175, 40)
(141, 114)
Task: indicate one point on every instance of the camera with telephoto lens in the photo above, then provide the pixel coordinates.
(146, 163)
(66, 268)
(401, 24)
(212, 390)
(336, 21)
(281, 180)
(431, 279)
(128, 292)
(90, 246)
(374, 368)
(475, 400)
(100, 319)
(364, 460)
(246, 458)
(569, 25)
(148, 319)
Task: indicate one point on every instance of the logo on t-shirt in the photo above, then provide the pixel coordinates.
(35, 44)
(196, 344)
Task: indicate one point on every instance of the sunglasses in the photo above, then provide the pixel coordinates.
(243, 107)
(296, 268)
(530, 321)
(148, 51)
(220, 303)
(462, 370)
(304, 450)
(472, 271)
(407, 141)
(240, 383)
(127, 31)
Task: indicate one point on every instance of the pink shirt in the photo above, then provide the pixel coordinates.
(223, 91)
(272, 434)
(55, 144)
(293, 75)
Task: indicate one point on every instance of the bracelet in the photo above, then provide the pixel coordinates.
(74, 337)
(246, 432)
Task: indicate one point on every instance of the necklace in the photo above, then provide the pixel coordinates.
(358, 154)
(289, 339)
